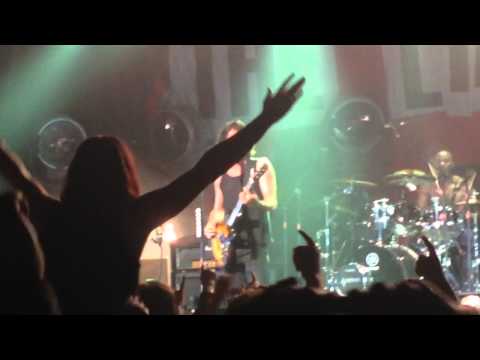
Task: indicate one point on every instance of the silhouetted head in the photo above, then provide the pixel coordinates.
(103, 170)
(410, 297)
(158, 298)
(306, 261)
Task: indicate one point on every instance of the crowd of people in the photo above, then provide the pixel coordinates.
(80, 254)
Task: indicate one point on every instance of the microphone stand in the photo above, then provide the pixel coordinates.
(298, 196)
(285, 242)
(199, 233)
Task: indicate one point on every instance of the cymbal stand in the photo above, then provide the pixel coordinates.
(474, 265)
(381, 217)
(436, 208)
(328, 244)
(327, 262)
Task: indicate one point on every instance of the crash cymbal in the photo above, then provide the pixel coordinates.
(409, 177)
(355, 183)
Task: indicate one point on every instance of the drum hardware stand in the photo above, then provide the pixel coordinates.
(381, 217)
(285, 226)
(474, 265)
(328, 244)
(298, 196)
(285, 242)
(327, 253)
(436, 208)
(473, 259)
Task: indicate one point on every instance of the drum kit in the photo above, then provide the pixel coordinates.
(367, 241)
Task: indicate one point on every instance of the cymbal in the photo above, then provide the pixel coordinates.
(409, 176)
(471, 202)
(355, 183)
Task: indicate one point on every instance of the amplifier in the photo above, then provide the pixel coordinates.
(156, 261)
(190, 259)
(155, 269)
(192, 288)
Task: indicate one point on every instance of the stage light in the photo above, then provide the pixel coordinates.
(317, 64)
(357, 125)
(169, 233)
(58, 141)
(36, 87)
(172, 136)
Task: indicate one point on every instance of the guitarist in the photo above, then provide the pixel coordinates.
(248, 251)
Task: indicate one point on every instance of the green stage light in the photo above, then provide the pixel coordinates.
(317, 64)
(28, 92)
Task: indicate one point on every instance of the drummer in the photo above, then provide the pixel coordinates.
(451, 190)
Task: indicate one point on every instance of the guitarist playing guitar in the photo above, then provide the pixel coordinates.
(251, 187)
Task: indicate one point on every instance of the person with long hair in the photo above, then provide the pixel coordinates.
(94, 235)
(248, 251)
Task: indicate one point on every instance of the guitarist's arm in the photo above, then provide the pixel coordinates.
(268, 187)
(217, 214)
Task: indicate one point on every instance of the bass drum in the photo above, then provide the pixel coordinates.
(351, 277)
(388, 264)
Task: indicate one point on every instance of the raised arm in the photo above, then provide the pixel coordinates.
(158, 206)
(15, 172)
(430, 268)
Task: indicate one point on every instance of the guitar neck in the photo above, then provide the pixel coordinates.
(238, 208)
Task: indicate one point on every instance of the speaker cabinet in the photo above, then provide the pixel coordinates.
(156, 262)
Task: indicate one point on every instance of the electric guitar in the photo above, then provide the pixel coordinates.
(225, 234)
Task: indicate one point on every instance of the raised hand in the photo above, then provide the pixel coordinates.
(278, 105)
(179, 293)
(207, 279)
(136, 302)
(429, 266)
(222, 288)
(307, 261)
(310, 243)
